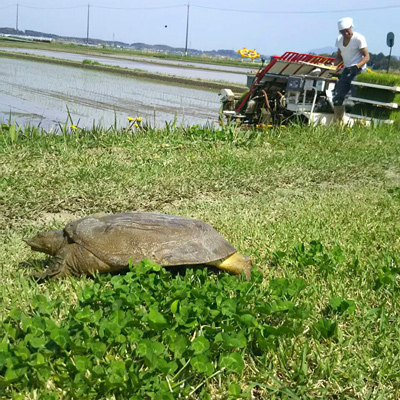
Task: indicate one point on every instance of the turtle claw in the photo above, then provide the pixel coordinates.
(39, 276)
(26, 265)
(53, 271)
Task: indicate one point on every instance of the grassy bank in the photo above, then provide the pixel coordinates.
(315, 208)
(126, 53)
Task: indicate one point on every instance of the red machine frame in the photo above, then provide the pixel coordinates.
(290, 57)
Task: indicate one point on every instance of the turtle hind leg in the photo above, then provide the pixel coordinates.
(235, 264)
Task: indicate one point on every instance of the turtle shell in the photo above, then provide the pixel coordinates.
(165, 239)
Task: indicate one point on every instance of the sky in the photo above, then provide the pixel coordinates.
(270, 28)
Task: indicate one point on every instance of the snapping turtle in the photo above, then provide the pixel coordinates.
(106, 244)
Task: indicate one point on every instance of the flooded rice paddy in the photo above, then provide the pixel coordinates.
(44, 94)
(168, 67)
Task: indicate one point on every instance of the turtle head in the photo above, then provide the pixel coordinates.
(46, 242)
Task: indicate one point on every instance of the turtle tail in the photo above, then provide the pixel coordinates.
(235, 264)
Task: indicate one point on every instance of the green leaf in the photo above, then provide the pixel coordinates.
(174, 307)
(98, 348)
(266, 343)
(233, 362)
(326, 328)
(109, 329)
(116, 375)
(204, 395)
(44, 373)
(295, 287)
(231, 340)
(82, 363)
(135, 335)
(117, 368)
(342, 306)
(150, 350)
(10, 331)
(178, 344)
(157, 320)
(200, 345)
(42, 304)
(279, 286)
(22, 352)
(145, 267)
(60, 337)
(202, 364)
(98, 371)
(13, 375)
(248, 320)
(37, 360)
(166, 367)
(86, 294)
(4, 347)
(96, 316)
(338, 254)
(84, 315)
(19, 397)
(228, 307)
(37, 342)
(281, 306)
(16, 314)
(234, 389)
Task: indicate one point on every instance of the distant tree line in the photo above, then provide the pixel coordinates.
(377, 61)
(380, 61)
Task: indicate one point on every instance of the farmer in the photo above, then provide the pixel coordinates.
(352, 50)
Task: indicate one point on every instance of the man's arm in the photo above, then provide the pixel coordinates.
(338, 58)
(365, 57)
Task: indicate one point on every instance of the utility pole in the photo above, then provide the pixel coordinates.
(16, 24)
(187, 29)
(87, 33)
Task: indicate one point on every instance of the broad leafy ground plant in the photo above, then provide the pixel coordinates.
(155, 334)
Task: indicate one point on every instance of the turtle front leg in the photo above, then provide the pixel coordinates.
(56, 269)
(235, 264)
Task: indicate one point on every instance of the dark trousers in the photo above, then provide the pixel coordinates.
(343, 85)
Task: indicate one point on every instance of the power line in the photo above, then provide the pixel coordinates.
(300, 12)
(53, 8)
(213, 8)
(139, 8)
(105, 7)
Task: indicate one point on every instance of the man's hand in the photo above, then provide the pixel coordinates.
(338, 70)
(354, 69)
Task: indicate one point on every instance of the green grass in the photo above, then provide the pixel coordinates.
(316, 209)
(91, 62)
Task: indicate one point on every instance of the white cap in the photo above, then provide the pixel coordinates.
(345, 23)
